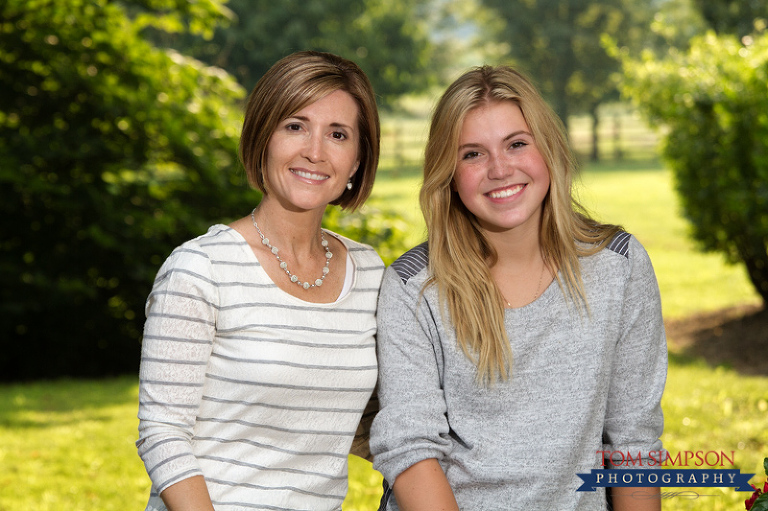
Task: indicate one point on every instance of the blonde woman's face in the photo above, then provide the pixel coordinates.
(500, 176)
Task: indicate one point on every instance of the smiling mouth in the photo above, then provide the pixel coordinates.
(309, 175)
(506, 192)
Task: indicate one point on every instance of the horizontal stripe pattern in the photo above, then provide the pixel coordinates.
(249, 386)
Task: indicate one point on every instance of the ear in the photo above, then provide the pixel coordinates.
(354, 169)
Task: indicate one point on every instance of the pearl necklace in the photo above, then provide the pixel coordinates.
(284, 265)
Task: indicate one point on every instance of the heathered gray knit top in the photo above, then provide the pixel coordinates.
(580, 384)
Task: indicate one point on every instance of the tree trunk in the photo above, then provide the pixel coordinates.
(756, 260)
(595, 136)
(564, 65)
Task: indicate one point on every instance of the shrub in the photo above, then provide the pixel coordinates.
(384, 230)
(713, 102)
(112, 153)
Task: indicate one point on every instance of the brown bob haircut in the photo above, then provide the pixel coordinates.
(289, 85)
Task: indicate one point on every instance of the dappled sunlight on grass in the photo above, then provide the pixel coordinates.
(401, 194)
(70, 445)
(708, 409)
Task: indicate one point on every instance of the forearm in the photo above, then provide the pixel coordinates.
(423, 486)
(188, 495)
(636, 499)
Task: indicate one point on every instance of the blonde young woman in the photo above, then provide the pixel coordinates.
(258, 356)
(524, 338)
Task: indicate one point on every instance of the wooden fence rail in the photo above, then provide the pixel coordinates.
(621, 136)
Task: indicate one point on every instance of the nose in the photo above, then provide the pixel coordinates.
(498, 167)
(313, 149)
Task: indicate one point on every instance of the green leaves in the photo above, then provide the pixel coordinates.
(388, 39)
(559, 43)
(712, 102)
(112, 152)
(761, 502)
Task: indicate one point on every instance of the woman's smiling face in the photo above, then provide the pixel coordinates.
(500, 176)
(312, 154)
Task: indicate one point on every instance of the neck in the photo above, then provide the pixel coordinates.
(519, 271)
(294, 232)
(516, 248)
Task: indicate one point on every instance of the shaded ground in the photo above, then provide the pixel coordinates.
(735, 337)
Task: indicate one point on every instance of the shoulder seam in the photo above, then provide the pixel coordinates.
(620, 244)
(412, 262)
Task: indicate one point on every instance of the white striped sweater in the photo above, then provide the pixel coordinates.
(258, 391)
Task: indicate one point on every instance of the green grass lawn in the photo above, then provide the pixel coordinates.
(68, 445)
(715, 409)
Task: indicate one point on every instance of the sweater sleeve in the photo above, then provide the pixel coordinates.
(411, 425)
(634, 420)
(177, 344)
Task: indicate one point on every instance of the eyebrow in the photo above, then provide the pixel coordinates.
(333, 124)
(505, 139)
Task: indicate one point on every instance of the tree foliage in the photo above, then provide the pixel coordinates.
(112, 153)
(736, 17)
(389, 39)
(713, 100)
(559, 43)
(675, 24)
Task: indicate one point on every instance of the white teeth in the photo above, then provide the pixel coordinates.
(309, 175)
(507, 192)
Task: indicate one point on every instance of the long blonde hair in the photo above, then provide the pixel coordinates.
(460, 256)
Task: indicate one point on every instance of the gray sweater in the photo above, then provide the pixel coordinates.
(580, 384)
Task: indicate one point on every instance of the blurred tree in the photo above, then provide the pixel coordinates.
(559, 43)
(389, 39)
(675, 24)
(737, 17)
(712, 99)
(111, 152)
